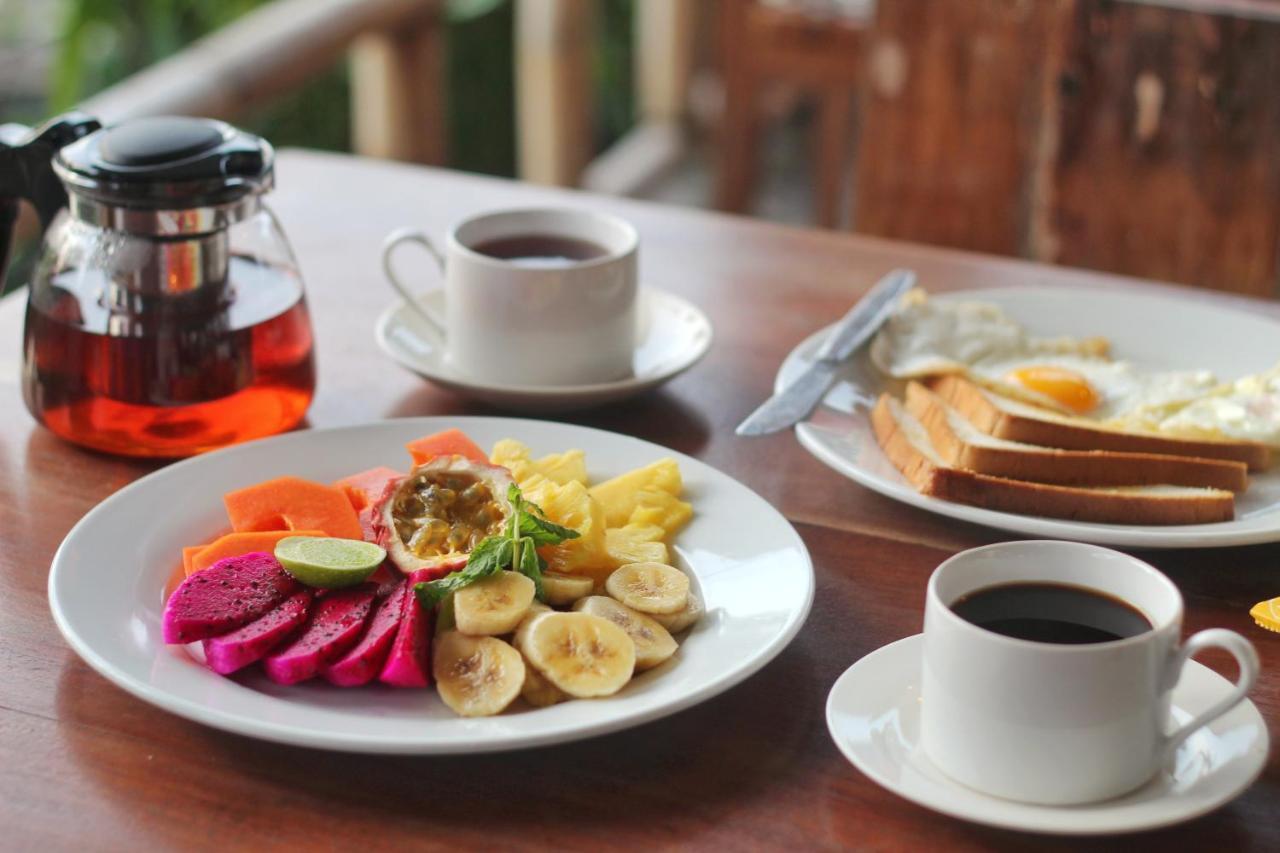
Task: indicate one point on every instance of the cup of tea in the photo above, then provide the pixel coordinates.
(1048, 669)
(532, 297)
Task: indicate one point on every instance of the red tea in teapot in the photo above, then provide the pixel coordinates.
(174, 378)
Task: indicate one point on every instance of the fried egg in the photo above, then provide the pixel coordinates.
(1092, 388)
(1072, 376)
(1248, 409)
(924, 337)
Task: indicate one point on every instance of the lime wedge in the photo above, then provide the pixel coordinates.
(327, 563)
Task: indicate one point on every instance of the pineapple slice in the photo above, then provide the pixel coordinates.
(564, 468)
(515, 456)
(620, 496)
(636, 543)
(632, 543)
(570, 505)
(560, 468)
(661, 509)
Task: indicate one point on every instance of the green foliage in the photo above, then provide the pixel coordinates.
(481, 72)
(104, 41)
(462, 11)
(481, 96)
(615, 101)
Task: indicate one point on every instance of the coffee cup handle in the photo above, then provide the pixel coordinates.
(1246, 658)
(412, 235)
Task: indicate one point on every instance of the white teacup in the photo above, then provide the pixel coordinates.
(533, 321)
(1051, 723)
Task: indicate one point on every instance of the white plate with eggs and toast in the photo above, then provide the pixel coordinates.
(1168, 343)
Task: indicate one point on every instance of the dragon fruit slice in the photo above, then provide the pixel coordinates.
(225, 596)
(409, 661)
(335, 624)
(243, 646)
(366, 658)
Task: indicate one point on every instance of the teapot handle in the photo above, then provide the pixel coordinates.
(26, 171)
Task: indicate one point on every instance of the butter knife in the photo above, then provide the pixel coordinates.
(793, 403)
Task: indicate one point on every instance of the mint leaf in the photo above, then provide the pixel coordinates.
(533, 506)
(530, 521)
(544, 532)
(521, 502)
(531, 565)
(491, 556)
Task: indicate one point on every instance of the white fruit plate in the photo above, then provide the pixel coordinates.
(107, 585)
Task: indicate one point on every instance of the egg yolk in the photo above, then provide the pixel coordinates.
(1066, 387)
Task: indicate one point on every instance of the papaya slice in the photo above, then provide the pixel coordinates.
(188, 553)
(237, 545)
(292, 503)
(364, 489)
(450, 442)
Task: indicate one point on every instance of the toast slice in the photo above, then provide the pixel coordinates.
(906, 442)
(962, 445)
(1014, 420)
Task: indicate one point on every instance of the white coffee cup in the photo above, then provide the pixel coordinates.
(512, 324)
(1059, 724)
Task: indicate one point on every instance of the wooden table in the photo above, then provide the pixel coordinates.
(84, 765)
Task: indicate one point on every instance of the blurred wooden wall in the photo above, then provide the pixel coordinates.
(1140, 138)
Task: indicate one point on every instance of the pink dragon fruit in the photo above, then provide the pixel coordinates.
(366, 658)
(409, 661)
(225, 596)
(243, 646)
(336, 622)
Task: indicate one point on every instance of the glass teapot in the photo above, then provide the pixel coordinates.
(166, 314)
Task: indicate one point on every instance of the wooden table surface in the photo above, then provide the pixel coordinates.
(83, 765)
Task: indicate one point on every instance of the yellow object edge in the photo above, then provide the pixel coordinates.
(1267, 614)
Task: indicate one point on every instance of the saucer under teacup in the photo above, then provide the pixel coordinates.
(873, 714)
(674, 335)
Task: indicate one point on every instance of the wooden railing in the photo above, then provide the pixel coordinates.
(394, 47)
(396, 52)
(554, 40)
(1137, 137)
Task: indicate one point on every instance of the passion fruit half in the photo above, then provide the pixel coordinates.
(435, 515)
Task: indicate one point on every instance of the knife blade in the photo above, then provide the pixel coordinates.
(793, 403)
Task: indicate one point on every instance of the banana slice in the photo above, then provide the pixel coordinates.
(494, 605)
(560, 588)
(677, 622)
(477, 676)
(539, 692)
(653, 643)
(522, 630)
(650, 587)
(581, 654)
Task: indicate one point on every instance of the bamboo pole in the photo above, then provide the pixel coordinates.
(553, 91)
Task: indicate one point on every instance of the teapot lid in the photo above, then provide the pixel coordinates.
(165, 163)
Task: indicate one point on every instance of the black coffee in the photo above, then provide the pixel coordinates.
(1051, 613)
(541, 250)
